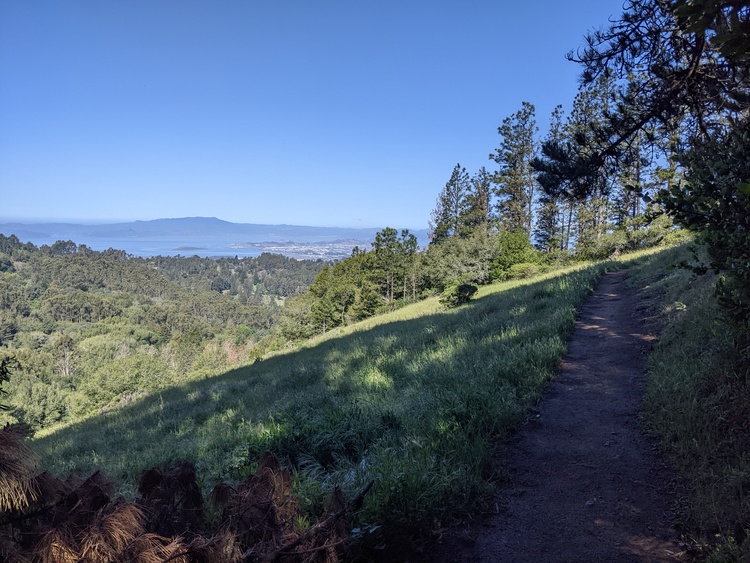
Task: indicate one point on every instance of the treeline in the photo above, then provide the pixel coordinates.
(656, 139)
(511, 222)
(86, 330)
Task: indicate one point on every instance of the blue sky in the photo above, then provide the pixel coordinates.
(325, 113)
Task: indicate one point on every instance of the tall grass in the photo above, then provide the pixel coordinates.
(411, 400)
(698, 402)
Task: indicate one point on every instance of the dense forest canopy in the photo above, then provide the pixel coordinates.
(89, 328)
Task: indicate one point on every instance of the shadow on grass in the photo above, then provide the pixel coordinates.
(474, 369)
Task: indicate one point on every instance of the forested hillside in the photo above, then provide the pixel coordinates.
(87, 330)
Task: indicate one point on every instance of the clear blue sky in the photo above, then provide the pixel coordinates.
(329, 113)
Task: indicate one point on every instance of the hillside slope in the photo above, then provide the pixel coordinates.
(411, 400)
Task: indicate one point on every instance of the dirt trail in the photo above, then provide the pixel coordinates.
(585, 483)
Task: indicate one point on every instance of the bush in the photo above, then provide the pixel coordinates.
(522, 271)
(512, 248)
(457, 294)
(603, 246)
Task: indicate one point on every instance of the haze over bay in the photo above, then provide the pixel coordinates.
(202, 236)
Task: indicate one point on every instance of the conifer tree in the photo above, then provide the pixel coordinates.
(550, 232)
(446, 217)
(691, 63)
(515, 181)
(477, 210)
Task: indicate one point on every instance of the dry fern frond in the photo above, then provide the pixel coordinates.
(50, 489)
(222, 548)
(221, 495)
(10, 550)
(70, 522)
(176, 550)
(262, 513)
(339, 504)
(153, 548)
(122, 525)
(111, 532)
(57, 546)
(172, 500)
(84, 501)
(18, 466)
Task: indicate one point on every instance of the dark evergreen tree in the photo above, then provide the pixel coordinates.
(477, 209)
(451, 202)
(552, 230)
(689, 62)
(515, 181)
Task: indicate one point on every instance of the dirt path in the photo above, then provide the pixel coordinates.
(585, 484)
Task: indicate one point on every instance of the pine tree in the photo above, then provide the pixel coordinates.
(446, 217)
(515, 181)
(477, 210)
(550, 231)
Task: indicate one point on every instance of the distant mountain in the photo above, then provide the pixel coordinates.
(195, 233)
(186, 226)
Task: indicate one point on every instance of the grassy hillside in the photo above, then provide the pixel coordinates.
(697, 403)
(411, 400)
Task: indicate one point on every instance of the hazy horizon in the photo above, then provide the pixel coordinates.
(93, 222)
(319, 114)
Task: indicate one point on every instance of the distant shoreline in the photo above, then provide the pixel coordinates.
(203, 236)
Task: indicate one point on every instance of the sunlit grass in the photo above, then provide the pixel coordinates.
(412, 400)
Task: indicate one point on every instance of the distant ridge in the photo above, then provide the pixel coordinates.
(184, 226)
(197, 232)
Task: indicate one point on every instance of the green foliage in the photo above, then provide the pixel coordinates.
(457, 294)
(513, 247)
(412, 399)
(523, 270)
(38, 403)
(357, 287)
(297, 322)
(131, 376)
(448, 216)
(95, 329)
(515, 182)
(6, 264)
(696, 402)
(714, 204)
(604, 246)
(7, 363)
(247, 278)
(467, 258)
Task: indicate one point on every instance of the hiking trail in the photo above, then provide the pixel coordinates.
(585, 483)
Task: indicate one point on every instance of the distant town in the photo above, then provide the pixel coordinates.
(323, 250)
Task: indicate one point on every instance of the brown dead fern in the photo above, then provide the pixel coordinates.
(171, 500)
(18, 467)
(79, 522)
(262, 511)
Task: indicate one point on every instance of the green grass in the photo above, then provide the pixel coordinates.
(414, 400)
(698, 403)
(411, 400)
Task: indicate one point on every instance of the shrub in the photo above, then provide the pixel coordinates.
(457, 294)
(512, 248)
(522, 271)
